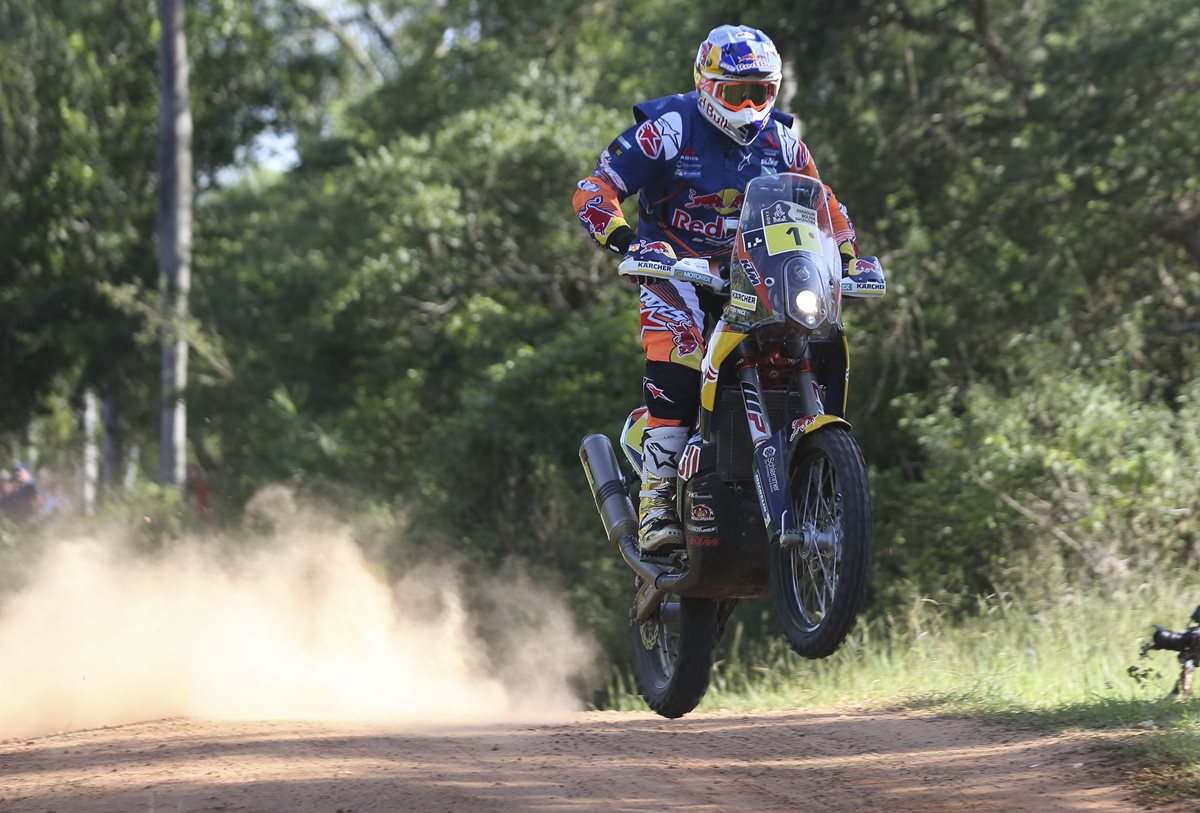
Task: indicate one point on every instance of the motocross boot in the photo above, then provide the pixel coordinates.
(658, 520)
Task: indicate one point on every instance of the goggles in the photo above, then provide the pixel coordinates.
(741, 95)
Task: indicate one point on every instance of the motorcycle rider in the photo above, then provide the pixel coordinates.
(690, 156)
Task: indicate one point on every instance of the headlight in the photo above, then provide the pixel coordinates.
(808, 304)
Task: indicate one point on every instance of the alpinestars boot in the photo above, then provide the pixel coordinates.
(658, 520)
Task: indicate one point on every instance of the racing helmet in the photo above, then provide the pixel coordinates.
(737, 79)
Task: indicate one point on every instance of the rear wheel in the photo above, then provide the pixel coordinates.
(819, 586)
(673, 653)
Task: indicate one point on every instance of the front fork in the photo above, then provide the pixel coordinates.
(770, 455)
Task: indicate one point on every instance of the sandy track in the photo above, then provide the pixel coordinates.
(812, 760)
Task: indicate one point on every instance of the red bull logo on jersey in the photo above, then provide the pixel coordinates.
(714, 230)
(725, 202)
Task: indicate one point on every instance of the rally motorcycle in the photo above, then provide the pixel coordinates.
(772, 489)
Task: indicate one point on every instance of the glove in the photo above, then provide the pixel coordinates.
(619, 241)
(849, 254)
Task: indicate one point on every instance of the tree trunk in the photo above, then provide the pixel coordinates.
(113, 446)
(91, 451)
(174, 234)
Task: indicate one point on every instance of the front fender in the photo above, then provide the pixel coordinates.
(806, 426)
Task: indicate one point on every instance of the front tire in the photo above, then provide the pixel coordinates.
(819, 590)
(673, 653)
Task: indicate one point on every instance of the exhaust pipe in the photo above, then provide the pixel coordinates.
(621, 525)
(608, 489)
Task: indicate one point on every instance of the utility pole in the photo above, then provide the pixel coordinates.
(174, 234)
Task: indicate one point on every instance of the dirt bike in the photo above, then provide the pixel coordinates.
(772, 489)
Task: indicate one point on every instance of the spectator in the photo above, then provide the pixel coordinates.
(6, 490)
(25, 500)
(54, 501)
(198, 491)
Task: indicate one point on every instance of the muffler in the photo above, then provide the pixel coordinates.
(608, 489)
(621, 525)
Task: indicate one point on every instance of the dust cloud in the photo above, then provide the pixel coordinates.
(297, 625)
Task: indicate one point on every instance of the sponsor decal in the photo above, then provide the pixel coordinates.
(710, 111)
(660, 138)
(756, 419)
(661, 458)
(755, 61)
(702, 513)
(746, 302)
(587, 186)
(745, 162)
(817, 395)
(861, 266)
(671, 128)
(769, 465)
(753, 240)
(656, 245)
(685, 338)
(762, 499)
(655, 391)
(688, 165)
(725, 202)
(790, 146)
(787, 212)
(690, 462)
(703, 541)
(649, 138)
(751, 273)
(713, 230)
(662, 269)
(769, 162)
(595, 218)
(801, 425)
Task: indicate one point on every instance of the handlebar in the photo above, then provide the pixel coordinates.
(688, 269)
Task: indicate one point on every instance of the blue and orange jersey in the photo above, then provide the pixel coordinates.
(690, 177)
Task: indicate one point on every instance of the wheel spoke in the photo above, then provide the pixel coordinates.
(813, 571)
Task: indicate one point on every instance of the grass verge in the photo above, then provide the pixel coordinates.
(1060, 664)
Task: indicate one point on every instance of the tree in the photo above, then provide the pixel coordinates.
(174, 234)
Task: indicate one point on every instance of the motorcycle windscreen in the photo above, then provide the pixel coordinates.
(787, 263)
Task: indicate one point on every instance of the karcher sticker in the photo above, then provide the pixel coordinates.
(746, 302)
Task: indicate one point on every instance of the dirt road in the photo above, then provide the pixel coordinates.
(810, 760)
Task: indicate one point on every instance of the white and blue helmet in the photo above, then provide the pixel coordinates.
(737, 79)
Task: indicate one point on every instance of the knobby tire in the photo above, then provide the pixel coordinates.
(672, 673)
(829, 488)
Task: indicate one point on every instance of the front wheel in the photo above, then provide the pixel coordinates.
(673, 653)
(818, 587)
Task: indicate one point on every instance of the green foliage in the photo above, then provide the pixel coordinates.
(413, 313)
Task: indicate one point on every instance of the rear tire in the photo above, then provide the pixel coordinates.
(673, 653)
(818, 593)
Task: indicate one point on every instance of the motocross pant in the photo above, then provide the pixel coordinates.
(674, 316)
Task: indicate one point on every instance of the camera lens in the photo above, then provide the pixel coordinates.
(1166, 639)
